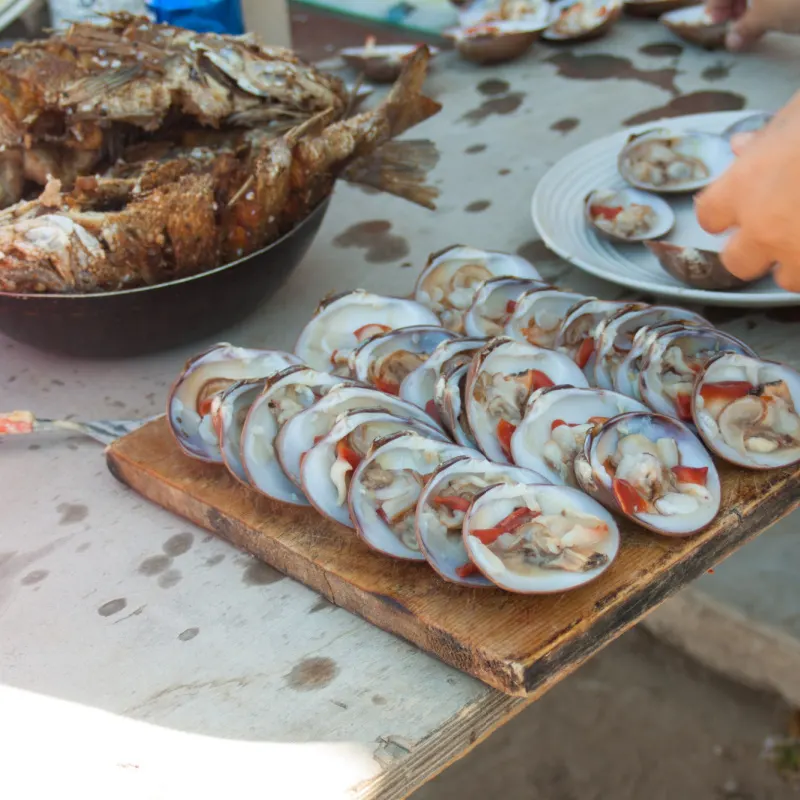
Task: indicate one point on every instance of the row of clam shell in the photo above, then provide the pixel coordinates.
(401, 418)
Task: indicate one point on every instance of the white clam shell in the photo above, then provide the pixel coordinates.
(594, 18)
(498, 502)
(493, 304)
(664, 216)
(449, 399)
(229, 417)
(750, 124)
(539, 315)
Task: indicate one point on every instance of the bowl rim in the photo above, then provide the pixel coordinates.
(318, 209)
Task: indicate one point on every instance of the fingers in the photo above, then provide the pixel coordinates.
(787, 276)
(746, 258)
(741, 141)
(714, 206)
(746, 31)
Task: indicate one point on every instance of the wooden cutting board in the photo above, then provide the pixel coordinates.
(518, 644)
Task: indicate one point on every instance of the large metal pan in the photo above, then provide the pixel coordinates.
(138, 321)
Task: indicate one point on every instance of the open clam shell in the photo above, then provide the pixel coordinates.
(653, 470)
(539, 539)
(673, 361)
(495, 302)
(615, 337)
(750, 124)
(449, 398)
(555, 426)
(228, 419)
(381, 63)
(419, 386)
(581, 20)
(668, 162)
(628, 215)
(576, 339)
(385, 360)
(746, 411)
(327, 468)
(301, 432)
(539, 315)
(701, 269)
(386, 486)
(342, 322)
(501, 378)
(285, 395)
(449, 281)
(442, 505)
(202, 378)
(496, 42)
(654, 8)
(695, 25)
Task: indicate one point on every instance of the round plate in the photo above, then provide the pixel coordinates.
(557, 209)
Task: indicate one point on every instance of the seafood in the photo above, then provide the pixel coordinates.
(285, 395)
(659, 160)
(419, 386)
(342, 322)
(198, 387)
(654, 470)
(582, 20)
(380, 63)
(301, 432)
(386, 486)
(386, 359)
(746, 410)
(228, 416)
(749, 124)
(449, 397)
(450, 279)
(538, 539)
(672, 363)
(695, 24)
(502, 376)
(654, 8)
(629, 215)
(326, 470)
(216, 210)
(702, 269)
(556, 423)
(441, 507)
(495, 302)
(539, 315)
(615, 335)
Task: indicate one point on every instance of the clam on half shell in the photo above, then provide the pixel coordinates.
(539, 315)
(496, 42)
(203, 377)
(495, 302)
(581, 20)
(749, 124)
(668, 162)
(695, 25)
(442, 505)
(380, 63)
(628, 215)
(386, 486)
(700, 269)
(653, 470)
(746, 411)
(539, 539)
(228, 419)
(340, 323)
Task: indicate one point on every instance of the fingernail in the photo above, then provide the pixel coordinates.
(734, 41)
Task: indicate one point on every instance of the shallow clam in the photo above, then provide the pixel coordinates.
(228, 418)
(449, 397)
(495, 302)
(695, 24)
(539, 539)
(746, 411)
(628, 215)
(701, 269)
(665, 161)
(497, 42)
(539, 315)
(652, 469)
(582, 20)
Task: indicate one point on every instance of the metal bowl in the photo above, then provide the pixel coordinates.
(133, 322)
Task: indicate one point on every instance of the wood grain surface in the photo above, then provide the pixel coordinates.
(519, 644)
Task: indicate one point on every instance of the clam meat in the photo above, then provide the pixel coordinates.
(495, 302)
(449, 281)
(674, 360)
(538, 539)
(654, 470)
(386, 486)
(539, 315)
(442, 506)
(555, 426)
(746, 411)
(326, 470)
(342, 322)
(386, 359)
(628, 215)
(197, 388)
(582, 20)
(501, 378)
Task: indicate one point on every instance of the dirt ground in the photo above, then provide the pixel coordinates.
(638, 722)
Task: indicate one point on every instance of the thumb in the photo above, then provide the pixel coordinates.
(745, 31)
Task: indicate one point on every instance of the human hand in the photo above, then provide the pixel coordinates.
(748, 24)
(759, 196)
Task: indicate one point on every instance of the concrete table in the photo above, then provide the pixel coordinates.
(141, 657)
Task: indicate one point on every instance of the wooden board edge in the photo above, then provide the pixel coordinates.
(507, 676)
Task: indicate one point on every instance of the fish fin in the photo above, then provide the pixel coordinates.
(406, 106)
(399, 168)
(88, 89)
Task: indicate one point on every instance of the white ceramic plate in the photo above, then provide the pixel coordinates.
(557, 209)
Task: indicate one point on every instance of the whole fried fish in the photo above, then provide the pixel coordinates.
(183, 211)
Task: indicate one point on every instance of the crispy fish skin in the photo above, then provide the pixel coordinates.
(191, 210)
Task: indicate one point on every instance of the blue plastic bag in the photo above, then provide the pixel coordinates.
(203, 16)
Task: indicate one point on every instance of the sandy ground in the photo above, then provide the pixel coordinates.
(638, 722)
